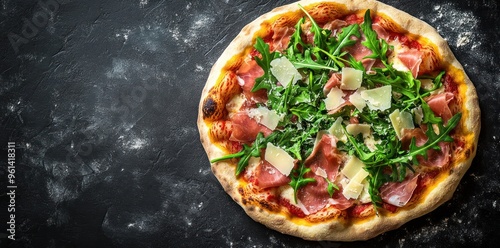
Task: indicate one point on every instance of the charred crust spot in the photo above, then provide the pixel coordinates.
(251, 208)
(209, 107)
(468, 153)
(241, 191)
(266, 205)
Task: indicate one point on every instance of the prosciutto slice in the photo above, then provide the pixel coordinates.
(247, 73)
(333, 81)
(245, 129)
(439, 104)
(281, 38)
(268, 176)
(411, 58)
(324, 158)
(437, 158)
(399, 193)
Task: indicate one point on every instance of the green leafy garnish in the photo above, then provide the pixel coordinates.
(247, 152)
(298, 180)
(267, 80)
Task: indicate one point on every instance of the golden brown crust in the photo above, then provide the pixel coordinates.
(342, 228)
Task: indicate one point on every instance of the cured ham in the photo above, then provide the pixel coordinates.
(247, 73)
(281, 38)
(411, 58)
(399, 193)
(245, 129)
(335, 26)
(439, 104)
(333, 81)
(381, 33)
(324, 159)
(437, 158)
(268, 176)
(359, 52)
(325, 156)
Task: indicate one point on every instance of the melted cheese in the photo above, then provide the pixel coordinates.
(279, 158)
(287, 193)
(378, 98)
(234, 105)
(284, 71)
(351, 78)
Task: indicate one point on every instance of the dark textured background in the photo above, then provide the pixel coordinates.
(101, 100)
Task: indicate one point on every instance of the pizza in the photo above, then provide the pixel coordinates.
(338, 120)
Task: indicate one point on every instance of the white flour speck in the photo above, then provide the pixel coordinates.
(142, 3)
(459, 32)
(199, 68)
(200, 23)
(463, 39)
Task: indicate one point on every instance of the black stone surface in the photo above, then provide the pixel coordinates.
(100, 98)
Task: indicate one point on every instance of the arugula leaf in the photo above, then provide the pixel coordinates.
(344, 38)
(331, 187)
(267, 80)
(320, 35)
(429, 116)
(431, 143)
(296, 44)
(379, 47)
(306, 61)
(247, 152)
(298, 180)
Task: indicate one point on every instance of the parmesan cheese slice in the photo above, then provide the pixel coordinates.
(378, 98)
(351, 78)
(419, 115)
(357, 100)
(355, 186)
(337, 130)
(284, 71)
(334, 99)
(279, 158)
(264, 116)
(401, 120)
(355, 129)
(352, 167)
(352, 190)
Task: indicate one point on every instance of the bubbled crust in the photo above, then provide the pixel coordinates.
(343, 228)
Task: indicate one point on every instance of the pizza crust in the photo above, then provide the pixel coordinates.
(334, 229)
